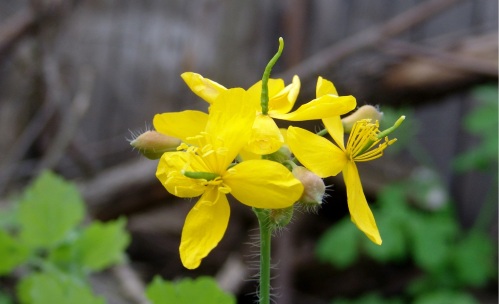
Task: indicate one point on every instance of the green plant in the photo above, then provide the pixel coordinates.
(43, 239)
(430, 238)
(187, 291)
(482, 122)
(44, 244)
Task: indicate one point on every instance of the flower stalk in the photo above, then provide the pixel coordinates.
(265, 228)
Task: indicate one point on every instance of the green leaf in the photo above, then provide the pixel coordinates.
(12, 253)
(473, 259)
(431, 237)
(482, 121)
(48, 210)
(43, 288)
(339, 244)
(102, 244)
(445, 297)
(392, 199)
(481, 157)
(394, 244)
(203, 290)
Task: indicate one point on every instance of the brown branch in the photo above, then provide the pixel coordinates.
(451, 60)
(100, 191)
(367, 38)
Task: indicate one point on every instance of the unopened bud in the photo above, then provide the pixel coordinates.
(281, 217)
(314, 188)
(281, 155)
(153, 144)
(364, 112)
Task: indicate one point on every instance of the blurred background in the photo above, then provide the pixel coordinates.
(77, 78)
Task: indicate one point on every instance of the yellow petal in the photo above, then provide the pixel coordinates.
(316, 153)
(324, 87)
(325, 106)
(334, 127)
(284, 101)
(204, 227)
(169, 172)
(229, 126)
(265, 136)
(247, 155)
(181, 124)
(263, 184)
(359, 209)
(203, 87)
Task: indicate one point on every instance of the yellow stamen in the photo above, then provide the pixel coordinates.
(364, 143)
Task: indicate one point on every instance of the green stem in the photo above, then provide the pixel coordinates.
(266, 76)
(322, 132)
(265, 246)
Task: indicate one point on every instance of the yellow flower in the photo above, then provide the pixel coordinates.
(266, 137)
(206, 169)
(325, 159)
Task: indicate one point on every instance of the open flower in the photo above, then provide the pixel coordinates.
(327, 159)
(266, 137)
(205, 169)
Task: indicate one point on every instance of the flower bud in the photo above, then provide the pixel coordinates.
(266, 138)
(281, 217)
(281, 155)
(364, 112)
(153, 144)
(314, 188)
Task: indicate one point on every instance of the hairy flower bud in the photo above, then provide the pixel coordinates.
(281, 217)
(153, 144)
(314, 188)
(364, 112)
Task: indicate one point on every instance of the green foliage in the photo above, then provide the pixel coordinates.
(102, 244)
(42, 288)
(187, 291)
(472, 259)
(445, 297)
(432, 240)
(44, 236)
(48, 210)
(12, 253)
(338, 245)
(483, 122)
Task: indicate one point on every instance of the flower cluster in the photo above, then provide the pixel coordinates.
(237, 148)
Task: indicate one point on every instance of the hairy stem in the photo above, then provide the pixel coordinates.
(265, 246)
